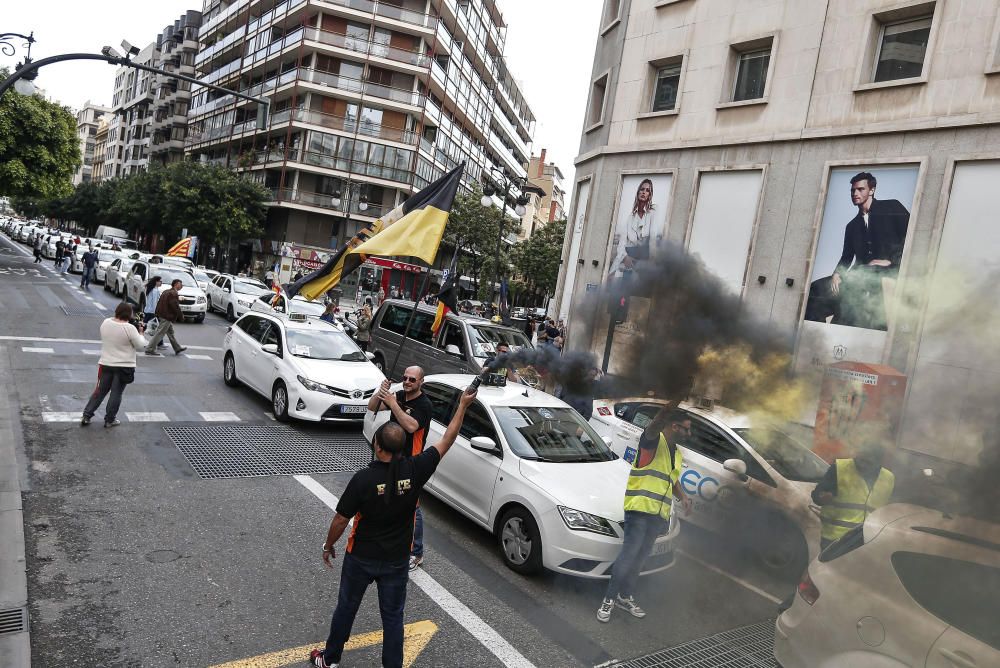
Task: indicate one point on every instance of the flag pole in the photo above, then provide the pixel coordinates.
(409, 322)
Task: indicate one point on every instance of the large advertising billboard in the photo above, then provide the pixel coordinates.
(862, 239)
(640, 222)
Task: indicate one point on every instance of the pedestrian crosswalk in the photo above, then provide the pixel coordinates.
(143, 416)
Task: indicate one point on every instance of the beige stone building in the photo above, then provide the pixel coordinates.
(100, 148)
(734, 128)
(547, 206)
(87, 120)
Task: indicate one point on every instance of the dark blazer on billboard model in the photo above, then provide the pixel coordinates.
(883, 239)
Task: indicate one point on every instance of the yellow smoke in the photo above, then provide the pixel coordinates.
(763, 387)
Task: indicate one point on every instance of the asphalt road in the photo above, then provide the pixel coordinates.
(133, 559)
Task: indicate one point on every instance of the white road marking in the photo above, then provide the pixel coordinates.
(219, 416)
(198, 357)
(62, 416)
(458, 611)
(28, 349)
(85, 351)
(726, 574)
(145, 416)
(42, 339)
(43, 401)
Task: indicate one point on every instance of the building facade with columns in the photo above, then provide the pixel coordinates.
(735, 129)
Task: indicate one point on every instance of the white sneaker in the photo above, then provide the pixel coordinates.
(604, 612)
(628, 604)
(415, 561)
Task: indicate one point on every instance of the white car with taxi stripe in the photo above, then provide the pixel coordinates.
(742, 476)
(529, 469)
(308, 368)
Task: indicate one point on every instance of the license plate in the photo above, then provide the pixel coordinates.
(353, 409)
(661, 548)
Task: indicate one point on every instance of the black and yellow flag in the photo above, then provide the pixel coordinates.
(414, 228)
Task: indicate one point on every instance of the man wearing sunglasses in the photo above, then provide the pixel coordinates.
(652, 483)
(411, 410)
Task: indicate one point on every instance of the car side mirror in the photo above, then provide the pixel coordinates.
(270, 348)
(370, 356)
(737, 467)
(452, 349)
(485, 444)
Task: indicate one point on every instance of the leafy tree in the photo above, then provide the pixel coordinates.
(536, 259)
(473, 229)
(39, 149)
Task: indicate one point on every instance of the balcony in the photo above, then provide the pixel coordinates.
(267, 17)
(211, 51)
(329, 161)
(363, 46)
(323, 201)
(389, 11)
(345, 124)
(220, 18)
(400, 95)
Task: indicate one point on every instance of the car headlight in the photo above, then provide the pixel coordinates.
(577, 520)
(243, 303)
(201, 300)
(314, 386)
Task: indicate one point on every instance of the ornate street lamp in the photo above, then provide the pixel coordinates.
(504, 188)
(25, 85)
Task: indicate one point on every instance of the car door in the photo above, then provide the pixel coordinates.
(452, 334)
(712, 489)
(136, 280)
(225, 294)
(246, 348)
(262, 365)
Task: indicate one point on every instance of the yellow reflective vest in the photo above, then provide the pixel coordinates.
(650, 488)
(854, 500)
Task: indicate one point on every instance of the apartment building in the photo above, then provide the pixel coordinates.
(371, 101)
(100, 147)
(87, 120)
(127, 150)
(547, 206)
(737, 129)
(178, 46)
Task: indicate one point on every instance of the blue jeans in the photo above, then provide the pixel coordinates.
(87, 275)
(355, 576)
(641, 530)
(418, 534)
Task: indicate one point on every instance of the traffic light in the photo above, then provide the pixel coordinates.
(618, 307)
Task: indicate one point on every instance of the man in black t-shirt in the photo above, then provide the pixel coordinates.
(411, 410)
(381, 499)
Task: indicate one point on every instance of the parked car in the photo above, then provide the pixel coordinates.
(115, 275)
(910, 587)
(462, 345)
(192, 299)
(233, 295)
(309, 369)
(530, 470)
(743, 475)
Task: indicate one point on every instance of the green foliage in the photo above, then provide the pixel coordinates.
(474, 228)
(537, 258)
(39, 149)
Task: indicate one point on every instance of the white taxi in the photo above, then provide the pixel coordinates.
(309, 369)
(532, 471)
(746, 479)
(283, 305)
(910, 587)
(234, 295)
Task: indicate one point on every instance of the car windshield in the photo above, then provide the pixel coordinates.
(169, 275)
(485, 340)
(790, 458)
(106, 256)
(555, 434)
(249, 287)
(201, 276)
(324, 344)
(307, 307)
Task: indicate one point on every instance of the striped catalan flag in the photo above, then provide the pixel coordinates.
(180, 249)
(414, 228)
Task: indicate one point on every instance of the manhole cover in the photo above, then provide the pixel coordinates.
(746, 647)
(82, 312)
(250, 451)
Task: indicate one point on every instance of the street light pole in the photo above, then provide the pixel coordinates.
(506, 185)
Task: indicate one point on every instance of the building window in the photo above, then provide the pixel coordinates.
(751, 74)
(902, 47)
(598, 95)
(612, 13)
(665, 87)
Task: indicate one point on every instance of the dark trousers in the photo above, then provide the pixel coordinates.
(860, 302)
(109, 379)
(88, 273)
(355, 576)
(641, 530)
(38, 255)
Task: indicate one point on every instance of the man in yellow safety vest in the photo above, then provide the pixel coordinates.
(851, 490)
(652, 483)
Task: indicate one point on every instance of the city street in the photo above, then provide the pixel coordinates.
(133, 558)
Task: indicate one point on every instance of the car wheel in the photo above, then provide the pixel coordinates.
(229, 371)
(230, 314)
(782, 548)
(106, 288)
(279, 401)
(520, 543)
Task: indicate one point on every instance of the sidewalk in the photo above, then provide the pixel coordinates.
(15, 649)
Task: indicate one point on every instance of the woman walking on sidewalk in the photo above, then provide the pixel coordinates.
(120, 340)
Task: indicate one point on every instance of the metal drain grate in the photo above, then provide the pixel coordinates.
(13, 620)
(82, 312)
(746, 647)
(250, 451)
